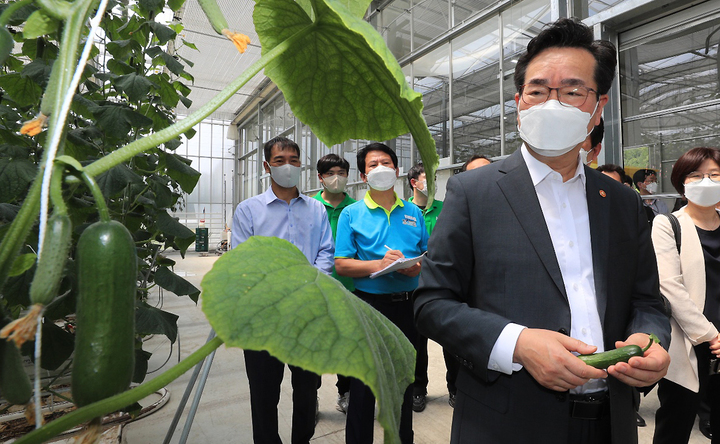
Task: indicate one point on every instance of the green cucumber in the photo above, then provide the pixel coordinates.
(105, 337)
(214, 14)
(56, 247)
(15, 385)
(623, 354)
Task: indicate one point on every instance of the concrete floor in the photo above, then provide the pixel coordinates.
(224, 412)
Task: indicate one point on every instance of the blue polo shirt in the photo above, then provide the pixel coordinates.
(365, 228)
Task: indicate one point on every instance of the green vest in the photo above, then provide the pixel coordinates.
(431, 214)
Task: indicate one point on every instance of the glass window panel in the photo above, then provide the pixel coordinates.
(194, 196)
(521, 23)
(182, 149)
(430, 19)
(463, 9)
(193, 145)
(657, 78)
(218, 140)
(476, 114)
(395, 27)
(216, 181)
(204, 187)
(669, 73)
(595, 6)
(205, 139)
(432, 76)
(665, 138)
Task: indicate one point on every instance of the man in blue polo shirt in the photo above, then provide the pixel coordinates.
(283, 212)
(372, 234)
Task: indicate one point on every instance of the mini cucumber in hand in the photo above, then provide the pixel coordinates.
(623, 354)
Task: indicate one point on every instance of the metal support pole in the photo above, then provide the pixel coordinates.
(188, 390)
(198, 395)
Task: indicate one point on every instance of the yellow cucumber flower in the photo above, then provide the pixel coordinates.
(240, 41)
(34, 127)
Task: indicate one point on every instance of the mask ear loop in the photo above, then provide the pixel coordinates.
(591, 116)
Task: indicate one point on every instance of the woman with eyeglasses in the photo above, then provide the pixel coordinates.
(690, 279)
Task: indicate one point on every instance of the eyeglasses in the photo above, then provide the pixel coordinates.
(697, 177)
(534, 94)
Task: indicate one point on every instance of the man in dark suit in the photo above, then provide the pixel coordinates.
(537, 258)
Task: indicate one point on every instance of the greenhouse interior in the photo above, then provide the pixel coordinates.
(178, 195)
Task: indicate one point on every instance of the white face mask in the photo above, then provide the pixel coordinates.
(651, 187)
(552, 129)
(704, 193)
(422, 183)
(287, 176)
(381, 178)
(335, 184)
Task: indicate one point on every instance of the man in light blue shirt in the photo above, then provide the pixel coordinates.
(283, 212)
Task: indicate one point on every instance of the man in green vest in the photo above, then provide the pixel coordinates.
(333, 174)
(418, 183)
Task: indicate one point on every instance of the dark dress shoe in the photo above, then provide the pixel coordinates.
(705, 429)
(640, 420)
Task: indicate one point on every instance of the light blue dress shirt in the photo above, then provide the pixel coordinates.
(304, 223)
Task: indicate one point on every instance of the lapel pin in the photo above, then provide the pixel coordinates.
(602, 193)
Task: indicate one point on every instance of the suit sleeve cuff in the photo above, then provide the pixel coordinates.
(501, 356)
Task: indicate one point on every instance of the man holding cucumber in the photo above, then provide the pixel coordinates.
(538, 258)
(283, 212)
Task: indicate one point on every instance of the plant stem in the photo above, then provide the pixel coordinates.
(56, 189)
(10, 10)
(119, 401)
(130, 150)
(24, 221)
(98, 195)
(13, 241)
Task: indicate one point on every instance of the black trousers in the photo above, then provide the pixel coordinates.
(265, 374)
(343, 384)
(421, 368)
(361, 409)
(675, 418)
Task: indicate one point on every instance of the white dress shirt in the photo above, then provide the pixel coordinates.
(564, 206)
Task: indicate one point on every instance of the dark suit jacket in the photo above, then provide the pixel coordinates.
(491, 261)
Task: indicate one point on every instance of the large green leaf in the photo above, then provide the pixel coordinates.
(165, 90)
(21, 89)
(182, 172)
(134, 85)
(22, 263)
(170, 281)
(345, 65)
(162, 32)
(39, 24)
(122, 49)
(6, 44)
(118, 120)
(57, 346)
(164, 197)
(264, 295)
(15, 176)
(170, 226)
(150, 320)
(117, 179)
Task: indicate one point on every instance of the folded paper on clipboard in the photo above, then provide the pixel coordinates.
(400, 264)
